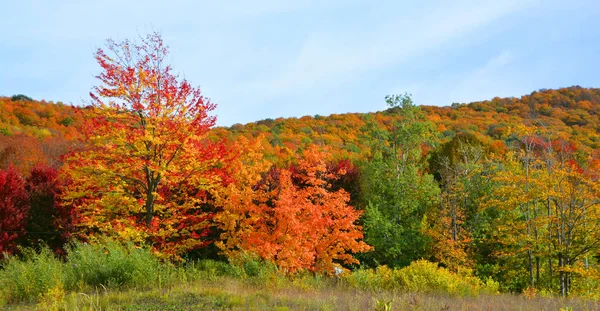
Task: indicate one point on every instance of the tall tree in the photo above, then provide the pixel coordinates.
(459, 168)
(149, 163)
(396, 190)
(550, 212)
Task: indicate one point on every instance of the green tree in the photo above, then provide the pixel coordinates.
(396, 191)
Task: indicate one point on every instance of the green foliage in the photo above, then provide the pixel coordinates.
(67, 121)
(32, 275)
(112, 264)
(351, 147)
(424, 276)
(382, 305)
(20, 97)
(6, 131)
(211, 269)
(257, 271)
(396, 191)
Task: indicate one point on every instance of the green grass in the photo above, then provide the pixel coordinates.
(115, 276)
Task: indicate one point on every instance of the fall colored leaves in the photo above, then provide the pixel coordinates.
(150, 174)
(488, 185)
(290, 216)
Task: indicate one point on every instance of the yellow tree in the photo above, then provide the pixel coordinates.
(239, 199)
(148, 164)
(458, 165)
(550, 209)
(573, 203)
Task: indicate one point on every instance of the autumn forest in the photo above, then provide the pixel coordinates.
(502, 192)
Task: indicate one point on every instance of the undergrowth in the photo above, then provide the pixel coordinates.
(114, 275)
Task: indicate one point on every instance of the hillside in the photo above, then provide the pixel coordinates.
(573, 113)
(473, 188)
(34, 131)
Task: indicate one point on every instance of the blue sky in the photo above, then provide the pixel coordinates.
(267, 58)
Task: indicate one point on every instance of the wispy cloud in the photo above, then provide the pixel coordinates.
(270, 58)
(330, 59)
(484, 81)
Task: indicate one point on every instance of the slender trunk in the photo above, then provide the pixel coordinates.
(563, 289)
(530, 258)
(537, 270)
(567, 283)
(550, 269)
(528, 220)
(454, 221)
(549, 239)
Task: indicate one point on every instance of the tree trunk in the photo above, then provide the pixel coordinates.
(152, 182)
(537, 270)
(563, 288)
(550, 269)
(530, 259)
(149, 207)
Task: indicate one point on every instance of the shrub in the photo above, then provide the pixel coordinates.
(257, 269)
(33, 275)
(6, 131)
(210, 269)
(14, 206)
(420, 276)
(366, 279)
(112, 264)
(424, 276)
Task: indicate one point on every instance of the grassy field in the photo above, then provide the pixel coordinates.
(114, 276)
(235, 294)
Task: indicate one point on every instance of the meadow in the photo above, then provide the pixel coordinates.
(116, 276)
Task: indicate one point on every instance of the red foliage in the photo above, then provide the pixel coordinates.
(48, 221)
(14, 205)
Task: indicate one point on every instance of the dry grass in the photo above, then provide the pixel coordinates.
(236, 294)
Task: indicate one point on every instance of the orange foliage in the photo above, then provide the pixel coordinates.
(291, 217)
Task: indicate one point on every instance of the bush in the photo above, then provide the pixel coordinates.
(33, 275)
(210, 269)
(6, 131)
(421, 276)
(424, 276)
(112, 264)
(366, 279)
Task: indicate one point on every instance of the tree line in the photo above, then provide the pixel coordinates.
(519, 204)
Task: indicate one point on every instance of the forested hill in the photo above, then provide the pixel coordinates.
(507, 188)
(571, 113)
(43, 130)
(20, 114)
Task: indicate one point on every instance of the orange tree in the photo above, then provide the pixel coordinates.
(291, 217)
(149, 163)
